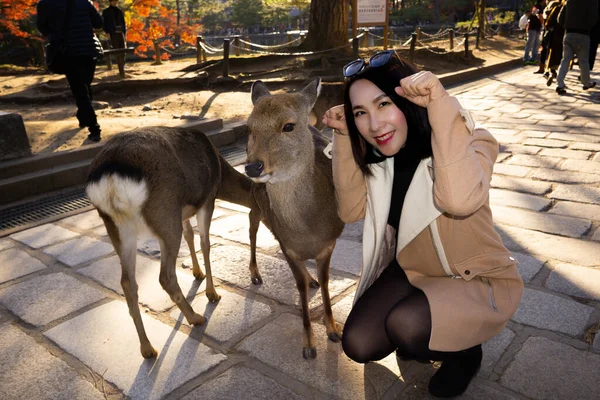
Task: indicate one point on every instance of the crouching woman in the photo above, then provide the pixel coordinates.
(437, 281)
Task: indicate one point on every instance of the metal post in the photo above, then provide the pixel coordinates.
(225, 58)
(236, 43)
(355, 47)
(413, 42)
(158, 60)
(466, 44)
(451, 38)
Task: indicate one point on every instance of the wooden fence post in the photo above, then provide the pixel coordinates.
(198, 49)
(158, 61)
(225, 58)
(451, 38)
(419, 34)
(355, 47)
(236, 43)
(413, 42)
(466, 44)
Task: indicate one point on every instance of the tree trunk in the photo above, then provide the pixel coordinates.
(328, 26)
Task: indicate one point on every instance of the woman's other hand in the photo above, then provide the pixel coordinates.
(336, 120)
(421, 88)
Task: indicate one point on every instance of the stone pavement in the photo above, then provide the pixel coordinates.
(65, 332)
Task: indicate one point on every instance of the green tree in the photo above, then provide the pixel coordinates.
(246, 12)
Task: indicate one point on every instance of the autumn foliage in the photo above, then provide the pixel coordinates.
(16, 18)
(147, 21)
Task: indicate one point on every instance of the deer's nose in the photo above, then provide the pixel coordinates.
(253, 170)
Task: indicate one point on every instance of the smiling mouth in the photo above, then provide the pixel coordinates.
(383, 139)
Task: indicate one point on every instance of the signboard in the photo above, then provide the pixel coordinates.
(371, 12)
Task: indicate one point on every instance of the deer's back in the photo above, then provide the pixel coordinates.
(173, 160)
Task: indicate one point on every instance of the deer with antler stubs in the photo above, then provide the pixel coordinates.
(297, 201)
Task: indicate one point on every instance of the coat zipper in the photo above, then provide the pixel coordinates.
(439, 249)
(492, 300)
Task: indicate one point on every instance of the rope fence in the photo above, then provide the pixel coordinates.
(433, 43)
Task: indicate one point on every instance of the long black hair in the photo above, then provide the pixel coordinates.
(386, 78)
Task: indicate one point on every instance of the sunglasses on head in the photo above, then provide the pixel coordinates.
(377, 60)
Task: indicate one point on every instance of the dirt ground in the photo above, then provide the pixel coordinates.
(180, 90)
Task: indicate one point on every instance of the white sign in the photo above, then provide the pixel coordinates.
(371, 11)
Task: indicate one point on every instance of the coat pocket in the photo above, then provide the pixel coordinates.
(491, 292)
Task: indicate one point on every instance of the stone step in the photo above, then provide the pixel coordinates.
(37, 175)
(50, 160)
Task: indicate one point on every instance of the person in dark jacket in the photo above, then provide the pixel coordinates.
(83, 50)
(114, 26)
(578, 18)
(533, 39)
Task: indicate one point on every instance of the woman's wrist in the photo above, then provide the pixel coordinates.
(340, 132)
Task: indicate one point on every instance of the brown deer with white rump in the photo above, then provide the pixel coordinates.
(297, 202)
(156, 179)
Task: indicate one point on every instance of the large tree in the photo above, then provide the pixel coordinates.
(328, 26)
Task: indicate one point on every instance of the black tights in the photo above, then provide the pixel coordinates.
(392, 315)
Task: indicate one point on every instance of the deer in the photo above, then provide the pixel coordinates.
(154, 180)
(294, 191)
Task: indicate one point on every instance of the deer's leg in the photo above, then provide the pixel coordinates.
(204, 216)
(323, 262)
(127, 251)
(188, 234)
(309, 351)
(254, 223)
(169, 231)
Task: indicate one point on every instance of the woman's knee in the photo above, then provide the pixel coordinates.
(357, 347)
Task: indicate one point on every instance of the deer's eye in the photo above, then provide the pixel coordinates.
(288, 127)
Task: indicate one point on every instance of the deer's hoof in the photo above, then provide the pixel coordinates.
(197, 319)
(335, 336)
(257, 280)
(213, 297)
(148, 351)
(309, 352)
(314, 284)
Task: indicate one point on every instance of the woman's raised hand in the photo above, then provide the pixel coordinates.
(421, 88)
(335, 119)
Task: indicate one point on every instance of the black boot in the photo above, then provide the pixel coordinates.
(456, 372)
(94, 135)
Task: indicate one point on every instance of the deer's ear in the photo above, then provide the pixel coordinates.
(311, 92)
(258, 90)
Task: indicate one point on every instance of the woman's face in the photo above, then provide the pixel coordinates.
(377, 118)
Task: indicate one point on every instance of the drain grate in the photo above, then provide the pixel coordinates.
(42, 209)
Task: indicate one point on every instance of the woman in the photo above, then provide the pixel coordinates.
(437, 280)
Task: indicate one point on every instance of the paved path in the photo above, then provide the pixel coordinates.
(65, 332)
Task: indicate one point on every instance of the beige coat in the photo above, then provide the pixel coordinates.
(447, 244)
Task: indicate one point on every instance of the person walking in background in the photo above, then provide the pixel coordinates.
(82, 50)
(578, 18)
(533, 38)
(555, 45)
(546, 36)
(114, 26)
(594, 39)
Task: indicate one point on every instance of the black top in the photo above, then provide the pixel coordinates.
(114, 20)
(80, 39)
(534, 23)
(404, 170)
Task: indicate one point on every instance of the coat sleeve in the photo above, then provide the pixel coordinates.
(349, 182)
(42, 18)
(463, 159)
